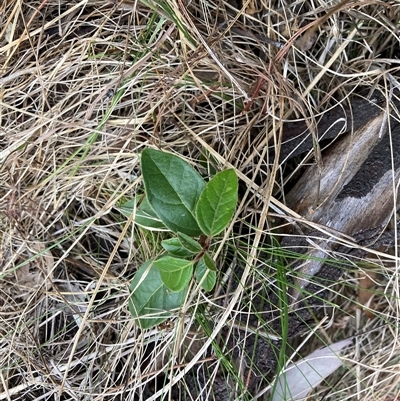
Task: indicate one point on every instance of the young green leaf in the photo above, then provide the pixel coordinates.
(211, 276)
(217, 203)
(173, 188)
(209, 261)
(145, 216)
(174, 247)
(150, 300)
(175, 273)
(209, 162)
(189, 243)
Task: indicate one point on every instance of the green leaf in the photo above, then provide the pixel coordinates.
(209, 261)
(217, 203)
(175, 248)
(208, 162)
(145, 215)
(175, 273)
(211, 276)
(150, 300)
(189, 243)
(127, 208)
(173, 188)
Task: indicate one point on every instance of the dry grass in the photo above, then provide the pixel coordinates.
(85, 86)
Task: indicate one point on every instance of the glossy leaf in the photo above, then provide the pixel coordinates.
(189, 243)
(145, 215)
(174, 247)
(173, 188)
(217, 203)
(175, 273)
(202, 270)
(150, 300)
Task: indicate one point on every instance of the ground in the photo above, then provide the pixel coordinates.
(300, 99)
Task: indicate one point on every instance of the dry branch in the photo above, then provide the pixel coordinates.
(322, 195)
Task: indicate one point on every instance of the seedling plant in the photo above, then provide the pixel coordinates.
(179, 200)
